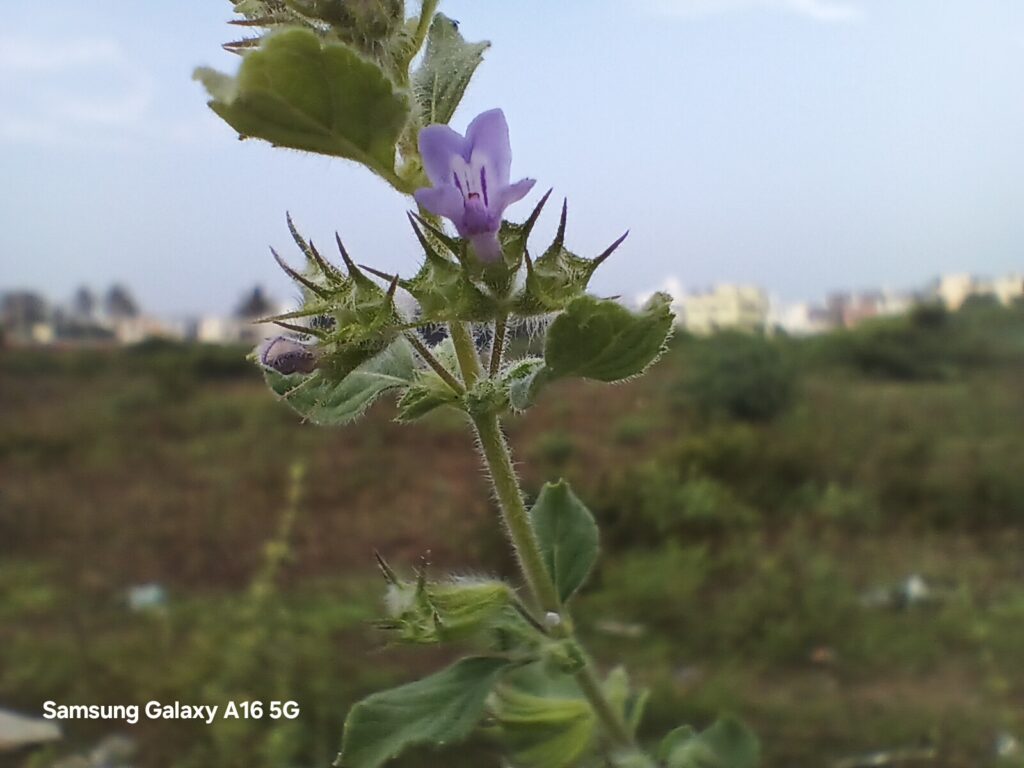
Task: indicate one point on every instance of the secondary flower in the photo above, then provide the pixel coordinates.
(287, 356)
(470, 178)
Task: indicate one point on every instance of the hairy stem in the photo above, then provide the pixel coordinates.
(427, 11)
(517, 519)
(465, 350)
(591, 687)
(498, 345)
(524, 541)
(498, 461)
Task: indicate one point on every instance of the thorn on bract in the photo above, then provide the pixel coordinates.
(528, 224)
(389, 575)
(610, 249)
(298, 277)
(344, 255)
(378, 273)
(560, 234)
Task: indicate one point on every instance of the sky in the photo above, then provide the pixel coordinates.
(803, 145)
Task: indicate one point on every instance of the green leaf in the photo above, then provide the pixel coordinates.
(567, 534)
(595, 339)
(295, 91)
(519, 379)
(327, 398)
(418, 401)
(543, 731)
(439, 709)
(601, 339)
(630, 704)
(726, 744)
(447, 68)
(430, 391)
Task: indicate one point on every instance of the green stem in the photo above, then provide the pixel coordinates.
(498, 460)
(498, 345)
(591, 687)
(427, 11)
(524, 541)
(465, 351)
(517, 519)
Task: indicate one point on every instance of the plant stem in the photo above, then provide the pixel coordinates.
(427, 11)
(591, 687)
(428, 357)
(517, 519)
(498, 345)
(465, 350)
(524, 541)
(498, 461)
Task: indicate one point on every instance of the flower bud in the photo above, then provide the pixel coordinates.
(287, 356)
(433, 612)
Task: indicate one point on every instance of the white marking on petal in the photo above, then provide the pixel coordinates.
(463, 171)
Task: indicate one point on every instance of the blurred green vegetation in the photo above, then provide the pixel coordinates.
(823, 536)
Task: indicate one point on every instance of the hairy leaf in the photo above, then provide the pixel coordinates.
(447, 68)
(418, 401)
(439, 709)
(595, 339)
(602, 340)
(519, 379)
(430, 391)
(296, 91)
(567, 534)
(326, 398)
(543, 731)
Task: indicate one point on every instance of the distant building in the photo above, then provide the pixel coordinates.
(800, 319)
(726, 306)
(850, 309)
(1008, 288)
(215, 329)
(132, 330)
(240, 327)
(897, 303)
(954, 290)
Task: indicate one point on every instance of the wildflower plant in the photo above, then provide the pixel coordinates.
(357, 79)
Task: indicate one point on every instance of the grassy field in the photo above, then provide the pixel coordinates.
(823, 536)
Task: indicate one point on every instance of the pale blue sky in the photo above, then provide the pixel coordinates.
(805, 145)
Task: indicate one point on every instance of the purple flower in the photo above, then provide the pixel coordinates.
(470, 179)
(287, 356)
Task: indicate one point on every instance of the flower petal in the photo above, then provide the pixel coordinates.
(514, 193)
(438, 143)
(487, 140)
(443, 201)
(486, 247)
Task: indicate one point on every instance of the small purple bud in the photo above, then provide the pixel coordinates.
(470, 179)
(287, 356)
